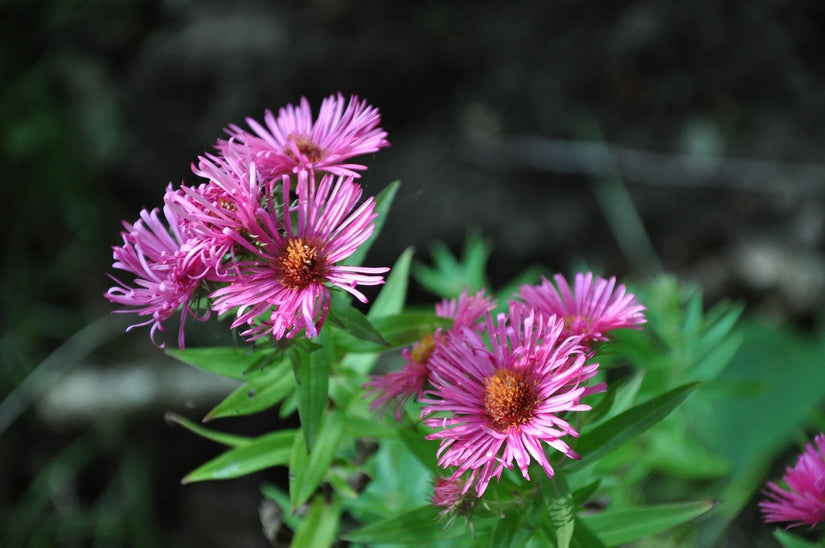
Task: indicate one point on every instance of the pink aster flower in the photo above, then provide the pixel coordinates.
(803, 502)
(166, 275)
(292, 254)
(494, 405)
(227, 203)
(594, 306)
(400, 386)
(293, 142)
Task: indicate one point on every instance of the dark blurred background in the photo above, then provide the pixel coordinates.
(536, 125)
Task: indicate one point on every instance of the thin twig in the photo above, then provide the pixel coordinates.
(641, 166)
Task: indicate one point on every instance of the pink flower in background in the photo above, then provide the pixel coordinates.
(400, 386)
(293, 142)
(491, 406)
(803, 502)
(166, 274)
(294, 253)
(594, 306)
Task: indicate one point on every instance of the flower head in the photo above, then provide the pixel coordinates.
(493, 405)
(450, 494)
(292, 252)
(803, 502)
(227, 203)
(400, 386)
(293, 142)
(167, 274)
(594, 306)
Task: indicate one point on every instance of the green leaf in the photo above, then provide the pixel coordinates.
(307, 468)
(318, 528)
(393, 295)
(312, 376)
(449, 276)
(583, 494)
(282, 500)
(360, 427)
(559, 503)
(259, 394)
(226, 361)
(383, 202)
(220, 437)
(506, 530)
(789, 540)
(627, 425)
(399, 484)
(419, 527)
(353, 322)
(265, 451)
(584, 537)
(397, 331)
(623, 526)
(627, 392)
(426, 451)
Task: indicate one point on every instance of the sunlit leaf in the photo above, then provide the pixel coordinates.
(265, 451)
(261, 393)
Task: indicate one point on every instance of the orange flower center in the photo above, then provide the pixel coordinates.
(301, 264)
(423, 349)
(510, 398)
(306, 147)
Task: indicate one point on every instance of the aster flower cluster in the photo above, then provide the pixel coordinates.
(265, 233)
(495, 388)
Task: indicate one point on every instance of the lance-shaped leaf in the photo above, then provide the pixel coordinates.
(583, 537)
(223, 438)
(320, 525)
(353, 322)
(383, 202)
(789, 540)
(509, 530)
(626, 426)
(260, 393)
(559, 503)
(397, 331)
(227, 361)
(265, 451)
(393, 294)
(419, 527)
(312, 377)
(622, 526)
(307, 468)
(389, 301)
